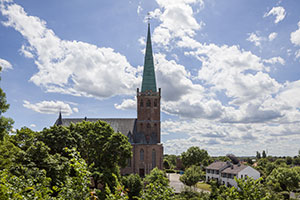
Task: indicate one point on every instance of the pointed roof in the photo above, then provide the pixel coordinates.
(59, 120)
(149, 82)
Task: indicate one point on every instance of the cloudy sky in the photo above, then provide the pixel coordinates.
(229, 70)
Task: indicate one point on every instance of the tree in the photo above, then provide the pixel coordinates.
(157, 175)
(103, 149)
(247, 189)
(133, 185)
(283, 179)
(157, 191)
(194, 156)
(264, 155)
(192, 175)
(5, 123)
(171, 159)
(258, 156)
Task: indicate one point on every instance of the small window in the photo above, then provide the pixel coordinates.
(142, 103)
(148, 125)
(155, 102)
(148, 103)
(242, 176)
(153, 158)
(142, 155)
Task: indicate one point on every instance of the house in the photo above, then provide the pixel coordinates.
(213, 171)
(143, 132)
(224, 172)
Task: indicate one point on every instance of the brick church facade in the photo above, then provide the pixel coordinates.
(143, 132)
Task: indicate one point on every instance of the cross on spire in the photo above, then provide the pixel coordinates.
(148, 17)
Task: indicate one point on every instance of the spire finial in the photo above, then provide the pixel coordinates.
(148, 18)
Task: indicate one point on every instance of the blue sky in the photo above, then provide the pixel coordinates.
(229, 70)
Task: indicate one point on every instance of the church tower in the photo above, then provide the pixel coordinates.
(147, 149)
(148, 100)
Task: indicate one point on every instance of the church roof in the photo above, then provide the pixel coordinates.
(124, 125)
(149, 82)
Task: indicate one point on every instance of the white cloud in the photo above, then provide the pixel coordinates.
(279, 12)
(177, 20)
(297, 54)
(5, 64)
(32, 125)
(272, 36)
(295, 36)
(127, 104)
(142, 41)
(75, 109)
(275, 60)
(71, 67)
(255, 39)
(139, 9)
(50, 107)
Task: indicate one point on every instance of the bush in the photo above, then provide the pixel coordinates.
(133, 185)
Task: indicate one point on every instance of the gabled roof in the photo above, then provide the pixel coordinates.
(218, 165)
(234, 169)
(123, 125)
(149, 82)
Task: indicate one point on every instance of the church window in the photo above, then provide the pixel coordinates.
(129, 162)
(155, 102)
(153, 158)
(148, 103)
(142, 103)
(142, 155)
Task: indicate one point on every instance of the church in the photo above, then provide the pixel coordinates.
(143, 132)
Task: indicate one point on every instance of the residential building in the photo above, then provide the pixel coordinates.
(224, 172)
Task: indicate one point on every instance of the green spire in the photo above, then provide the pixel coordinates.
(149, 82)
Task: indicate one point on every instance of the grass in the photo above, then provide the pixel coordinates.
(203, 186)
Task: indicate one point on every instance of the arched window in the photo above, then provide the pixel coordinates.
(148, 103)
(155, 102)
(142, 155)
(142, 103)
(153, 158)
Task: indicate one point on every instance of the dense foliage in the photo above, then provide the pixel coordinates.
(195, 156)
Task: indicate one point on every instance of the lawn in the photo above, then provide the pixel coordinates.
(203, 186)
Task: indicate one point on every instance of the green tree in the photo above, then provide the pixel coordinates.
(157, 191)
(283, 179)
(249, 189)
(171, 159)
(258, 156)
(133, 185)
(264, 155)
(289, 160)
(157, 175)
(103, 149)
(192, 175)
(195, 156)
(5, 123)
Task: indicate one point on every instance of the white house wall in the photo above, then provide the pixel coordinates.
(250, 172)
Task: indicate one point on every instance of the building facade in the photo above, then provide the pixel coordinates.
(143, 132)
(224, 173)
